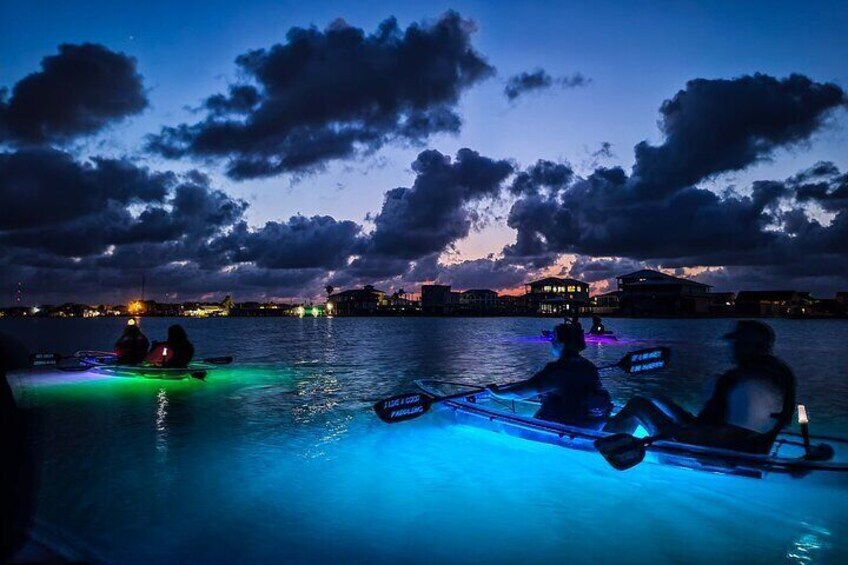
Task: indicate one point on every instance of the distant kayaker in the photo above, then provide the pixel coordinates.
(597, 326)
(177, 352)
(750, 405)
(570, 388)
(131, 348)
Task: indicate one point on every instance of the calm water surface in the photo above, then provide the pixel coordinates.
(279, 457)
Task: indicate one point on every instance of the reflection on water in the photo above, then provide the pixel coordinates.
(279, 457)
(161, 426)
(807, 549)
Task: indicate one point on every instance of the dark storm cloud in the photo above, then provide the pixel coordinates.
(300, 243)
(658, 214)
(483, 273)
(435, 212)
(194, 213)
(715, 126)
(539, 79)
(325, 95)
(542, 176)
(590, 269)
(822, 184)
(77, 92)
(41, 187)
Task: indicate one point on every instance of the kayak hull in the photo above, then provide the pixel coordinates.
(101, 365)
(608, 337)
(787, 457)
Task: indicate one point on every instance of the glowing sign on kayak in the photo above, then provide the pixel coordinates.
(647, 356)
(647, 366)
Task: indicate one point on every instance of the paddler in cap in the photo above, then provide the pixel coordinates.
(750, 404)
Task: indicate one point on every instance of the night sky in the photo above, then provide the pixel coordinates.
(267, 149)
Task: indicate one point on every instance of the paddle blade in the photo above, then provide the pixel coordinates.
(402, 407)
(622, 451)
(644, 360)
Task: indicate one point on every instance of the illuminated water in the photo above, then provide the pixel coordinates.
(279, 457)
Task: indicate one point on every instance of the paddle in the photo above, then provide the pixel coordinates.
(623, 451)
(409, 406)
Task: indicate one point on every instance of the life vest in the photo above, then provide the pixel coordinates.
(754, 404)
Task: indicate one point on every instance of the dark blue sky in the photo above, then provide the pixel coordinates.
(633, 57)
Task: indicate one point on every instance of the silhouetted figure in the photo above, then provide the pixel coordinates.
(131, 348)
(597, 326)
(570, 387)
(750, 405)
(17, 472)
(177, 352)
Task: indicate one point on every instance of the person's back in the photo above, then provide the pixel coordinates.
(569, 388)
(578, 397)
(750, 404)
(598, 327)
(757, 395)
(131, 348)
(181, 349)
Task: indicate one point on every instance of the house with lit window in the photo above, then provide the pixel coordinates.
(479, 301)
(356, 302)
(556, 296)
(789, 303)
(607, 303)
(652, 293)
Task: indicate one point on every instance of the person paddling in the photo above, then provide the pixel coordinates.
(177, 352)
(570, 387)
(597, 326)
(750, 405)
(131, 348)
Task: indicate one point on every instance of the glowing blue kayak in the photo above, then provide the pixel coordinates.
(787, 457)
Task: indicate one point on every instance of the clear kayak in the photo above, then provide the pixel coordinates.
(105, 362)
(787, 457)
(607, 337)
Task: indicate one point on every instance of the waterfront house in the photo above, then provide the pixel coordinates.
(479, 301)
(607, 303)
(773, 303)
(556, 296)
(722, 303)
(652, 293)
(439, 299)
(356, 302)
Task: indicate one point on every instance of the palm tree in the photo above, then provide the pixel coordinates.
(329, 289)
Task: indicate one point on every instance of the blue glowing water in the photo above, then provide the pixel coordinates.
(279, 457)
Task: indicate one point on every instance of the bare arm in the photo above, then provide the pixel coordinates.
(532, 387)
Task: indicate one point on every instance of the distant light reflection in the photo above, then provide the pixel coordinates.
(161, 421)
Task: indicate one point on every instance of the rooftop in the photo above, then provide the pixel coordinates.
(650, 277)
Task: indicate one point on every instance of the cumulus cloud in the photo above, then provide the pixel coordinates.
(715, 126)
(68, 208)
(42, 187)
(658, 213)
(325, 95)
(301, 243)
(539, 79)
(77, 92)
(436, 211)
